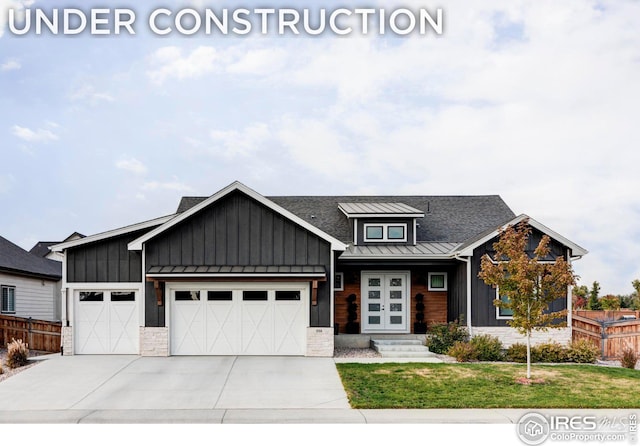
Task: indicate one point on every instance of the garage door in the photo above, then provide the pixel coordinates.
(106, 322)
(239, 319)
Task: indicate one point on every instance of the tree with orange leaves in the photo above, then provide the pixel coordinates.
(529, 283)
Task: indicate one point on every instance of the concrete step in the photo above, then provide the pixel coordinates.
(401, 348)
(387, 354)
(397, 342)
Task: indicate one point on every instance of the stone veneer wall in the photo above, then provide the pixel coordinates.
(320, 341)
(154, 341)
(67, 341)
(510, 336)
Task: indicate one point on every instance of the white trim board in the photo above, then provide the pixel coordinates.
(336, 245)
(113, 233)
(576, 249)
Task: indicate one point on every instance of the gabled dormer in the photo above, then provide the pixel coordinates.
(382, 223)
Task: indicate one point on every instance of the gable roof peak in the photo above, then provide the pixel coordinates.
(336, 244)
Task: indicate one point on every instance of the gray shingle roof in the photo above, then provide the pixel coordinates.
(453, 219)
(41, 249)
(15, 259)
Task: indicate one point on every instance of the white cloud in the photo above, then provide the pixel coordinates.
(168, 62)
(10, 64)
(174, 185)
(250, 140)
(34, 136)
(132, 165)
(259, 61)
(89, 94)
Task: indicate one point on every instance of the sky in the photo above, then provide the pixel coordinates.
(536, 101)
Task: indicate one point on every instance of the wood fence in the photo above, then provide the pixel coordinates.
(607, 330)
(40, 335)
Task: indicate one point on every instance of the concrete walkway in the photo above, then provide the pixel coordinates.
(228, 389)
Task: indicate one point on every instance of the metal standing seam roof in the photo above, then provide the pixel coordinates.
(421, 250)
(281, 270)
(395, 209)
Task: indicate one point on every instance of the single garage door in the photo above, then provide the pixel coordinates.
(239, 319)
(106, 322)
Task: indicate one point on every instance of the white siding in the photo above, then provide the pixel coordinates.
(34, 297)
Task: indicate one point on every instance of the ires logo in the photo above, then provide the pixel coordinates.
(577, 423)
(534, 429)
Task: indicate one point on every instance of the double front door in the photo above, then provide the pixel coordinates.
(385, 301)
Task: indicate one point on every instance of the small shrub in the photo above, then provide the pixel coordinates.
(443, 336)
(516, 353)
(583, 351)
(629, 358)
(487, 347)
(17, 353)
(548, 352)
(463, 351)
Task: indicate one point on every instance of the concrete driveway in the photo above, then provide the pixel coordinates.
(192, 386)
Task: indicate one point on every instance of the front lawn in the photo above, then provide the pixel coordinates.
(487, 385)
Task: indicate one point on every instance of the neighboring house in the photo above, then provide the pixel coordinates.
(43, 249)
(30, 285)
(240, 273)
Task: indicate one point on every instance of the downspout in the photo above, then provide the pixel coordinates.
(63, 298)
(467, 260)
(569, 300)
(332, 293)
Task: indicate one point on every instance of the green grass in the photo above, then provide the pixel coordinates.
(484, 385)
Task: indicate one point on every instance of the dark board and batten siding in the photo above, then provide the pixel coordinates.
(106, 261)
(483, 310)
(238, 231)
(457, 301)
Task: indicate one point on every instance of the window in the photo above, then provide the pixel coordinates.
(123, 296)
(338, 282)
(254, 295)
(503, 313)
(91, 296)
(385, 232)
(287, 295)
(187, 295)
(219, 295)
(8, 299)
(437, 281)
(374, 233)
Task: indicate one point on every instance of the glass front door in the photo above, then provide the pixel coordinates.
(384, 301)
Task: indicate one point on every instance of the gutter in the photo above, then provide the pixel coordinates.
(467, 260)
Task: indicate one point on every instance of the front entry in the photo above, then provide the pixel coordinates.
(385, 301)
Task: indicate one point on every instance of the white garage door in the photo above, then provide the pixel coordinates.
(106, 322)
(239, 319)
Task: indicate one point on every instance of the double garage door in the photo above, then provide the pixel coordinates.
(238, 318)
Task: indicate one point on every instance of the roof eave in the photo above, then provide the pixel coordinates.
(137, 244)
(576, 249)
(378, 215)
(108, 234)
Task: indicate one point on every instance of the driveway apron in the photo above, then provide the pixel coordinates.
(189, 382)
